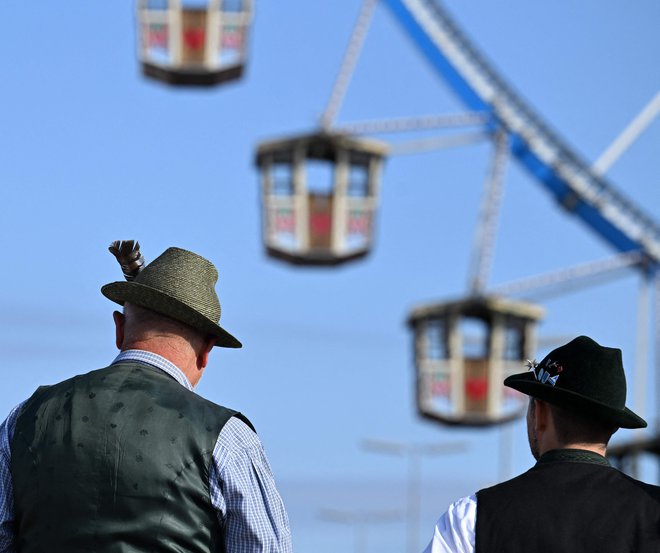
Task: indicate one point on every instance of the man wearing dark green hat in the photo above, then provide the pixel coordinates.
(128, 459)
(572, 500)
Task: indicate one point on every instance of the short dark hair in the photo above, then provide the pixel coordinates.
(574, 427)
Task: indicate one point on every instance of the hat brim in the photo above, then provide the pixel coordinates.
(160, 302)
(528, 385)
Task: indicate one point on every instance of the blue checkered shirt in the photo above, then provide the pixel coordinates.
(241, 484)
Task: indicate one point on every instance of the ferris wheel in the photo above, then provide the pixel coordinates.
(320, 198)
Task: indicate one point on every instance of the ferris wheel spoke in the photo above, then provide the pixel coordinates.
(420, 123)
(565, 280)
(437, 143)
(656, 344)
(636, 127)
(484, 242)
(348, 65)
(641, 349)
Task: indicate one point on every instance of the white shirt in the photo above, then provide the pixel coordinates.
(454, 531)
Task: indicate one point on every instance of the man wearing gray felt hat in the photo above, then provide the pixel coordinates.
(128, 458)
(572, 499)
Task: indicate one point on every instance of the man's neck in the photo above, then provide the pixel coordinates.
(178, 354)
(600, 449)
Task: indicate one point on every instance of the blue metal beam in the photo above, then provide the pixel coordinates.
(543, 172)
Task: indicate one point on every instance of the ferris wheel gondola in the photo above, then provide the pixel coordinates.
(319, 197)
(185, 44)
(464, 349)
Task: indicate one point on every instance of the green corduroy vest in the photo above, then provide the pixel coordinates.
(116, 461)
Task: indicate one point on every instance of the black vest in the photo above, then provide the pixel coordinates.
(116, 461)
(571, 501)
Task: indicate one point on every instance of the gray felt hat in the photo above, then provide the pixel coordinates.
(179, 284)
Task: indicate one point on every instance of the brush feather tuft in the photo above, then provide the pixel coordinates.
(129, 257)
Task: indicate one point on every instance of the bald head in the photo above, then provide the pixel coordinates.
(187, 348)
(143, 325)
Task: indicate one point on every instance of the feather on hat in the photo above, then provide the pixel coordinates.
(179, 284)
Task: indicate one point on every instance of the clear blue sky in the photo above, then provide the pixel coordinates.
(90, 152)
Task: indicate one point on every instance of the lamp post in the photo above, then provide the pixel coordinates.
(414, 454)
(360, 521)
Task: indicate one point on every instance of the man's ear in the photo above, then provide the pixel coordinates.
(542, 416)
(119, 319)
(203, 357)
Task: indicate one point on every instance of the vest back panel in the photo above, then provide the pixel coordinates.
(116, 461)
(566, 507)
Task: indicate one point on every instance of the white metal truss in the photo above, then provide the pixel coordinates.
(484, 242)
(419, 123)
(437, 143)
(563, 280)
(636, 127)
(348, 65)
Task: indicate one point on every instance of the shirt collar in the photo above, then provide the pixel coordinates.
(154, 360)
(573, 456)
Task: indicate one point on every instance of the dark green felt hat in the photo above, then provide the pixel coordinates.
(584, 377)
(179, 284)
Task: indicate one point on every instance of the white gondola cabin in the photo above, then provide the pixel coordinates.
(183, 43)
(464, 350)
(319, 197)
